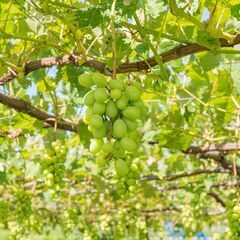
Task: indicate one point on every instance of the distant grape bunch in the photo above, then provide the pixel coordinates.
(234, 219)
(114, 112)
(53, 165)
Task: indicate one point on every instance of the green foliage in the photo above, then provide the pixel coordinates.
(138, 152)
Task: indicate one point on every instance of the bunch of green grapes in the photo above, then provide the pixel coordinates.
(233, 217)
(18, 231)
(4, 210)
(189, 220)
(53, 166)
(70, 220)
(114, 112)
(127, 182)
(23, 205)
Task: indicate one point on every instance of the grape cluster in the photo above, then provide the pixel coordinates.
(69, 219)
(128, 182)
(53, 165)
(23, 205)
(234, 219)
(4, 208)
(114, 111)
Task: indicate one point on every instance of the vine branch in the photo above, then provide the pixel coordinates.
(175, 53)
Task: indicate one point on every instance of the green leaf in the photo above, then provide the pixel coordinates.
(205, 39)
(223, 84)
(84, 134)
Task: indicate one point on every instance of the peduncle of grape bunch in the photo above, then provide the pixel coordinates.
(114, 112)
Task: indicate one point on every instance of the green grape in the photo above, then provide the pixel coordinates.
(138, 85)
(95, 145)
(50, 176)
(138, 104)
(119, 128)
(131, 181)
(118, 150)
(85, 80)
(117, 84)
(100, 132)
(89, 113)
(99, 79)
(107, 147)
(115, 94)
(131, 113)
(131, 125)
(121, 167)
(111, 109)
(91, 129)
(101, 160)
(128, 144)
(101, 95)
(89, 99)
(134, 167)
(96, 121)
(133, 93)
(122, 102)
(99, 108)
(136, 136)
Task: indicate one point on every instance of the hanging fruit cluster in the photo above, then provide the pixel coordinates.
(53, 166)
(23, 205)
(114, 111)
(234, 219)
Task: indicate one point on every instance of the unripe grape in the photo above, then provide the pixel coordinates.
(118, 150)
(121, 167)
(91, 129)
(99, 108)
(101, 160)
(107, 147)
(138, 85)
(116, 84)
(99, 79)
(131, 113)
(138, 104)
(134, 167)
(132, 189)
(100, 95)
(50, 168)
(131, 125)
(133, 93)
(121, 191)
(89, 99)
(120, 185)
(115, 94)
(122, 102)
(96, 121)
(111, 109)
(131, 181)
(54, 144)
(89, 113)
(136, 136)
(128, 144)
(119, 128)
(50, 176)
(85, 80)
(100, 132)
(95, 145)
